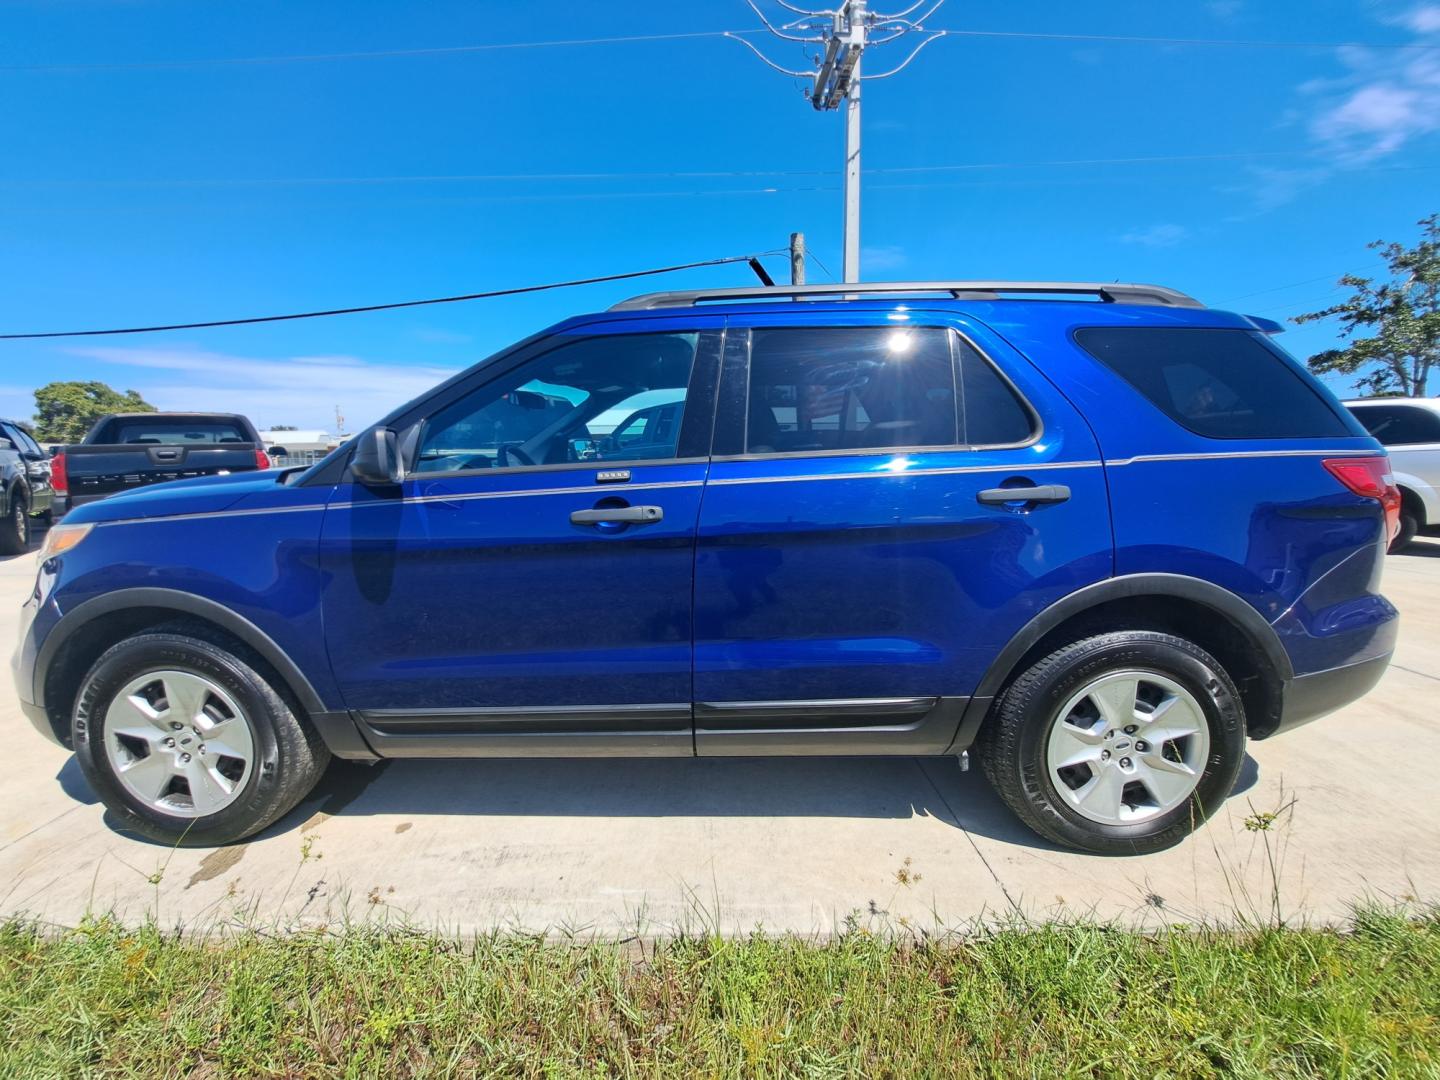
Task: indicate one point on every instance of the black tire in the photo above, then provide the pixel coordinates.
(1409, 526)
(15, 528)
(1012, 743)
(288, 754)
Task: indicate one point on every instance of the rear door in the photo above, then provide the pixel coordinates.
(858, 565)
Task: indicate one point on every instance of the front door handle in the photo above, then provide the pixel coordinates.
(1042, 493)
(627, 515)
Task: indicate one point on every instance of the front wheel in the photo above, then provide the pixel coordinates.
(1117, 744)
(187, 743)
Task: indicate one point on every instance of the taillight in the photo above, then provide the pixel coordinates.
(1370, 477)
(262, 459)
(58, 479)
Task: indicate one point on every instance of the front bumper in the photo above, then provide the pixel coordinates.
(39, 608)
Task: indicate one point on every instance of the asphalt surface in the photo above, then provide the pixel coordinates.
(615, 847)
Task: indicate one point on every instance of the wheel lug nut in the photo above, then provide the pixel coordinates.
(169, 742)
(175, 726)
(1141, 745)
(1104, 755)
(1130, 729)
(1124, 762)
(184, 759)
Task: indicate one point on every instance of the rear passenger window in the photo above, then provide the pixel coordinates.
(993, 415)
(1400, 425)
(1223, 384)
(850, 389)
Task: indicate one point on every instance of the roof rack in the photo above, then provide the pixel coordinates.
(1110, 293)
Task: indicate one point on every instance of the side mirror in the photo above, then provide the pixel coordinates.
(376, 461)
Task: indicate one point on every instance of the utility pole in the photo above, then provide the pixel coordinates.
(845, 33)
(797, 258)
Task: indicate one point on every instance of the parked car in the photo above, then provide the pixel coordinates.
(1098, 533)
(1409, 428)
(25, 489)
(124, 451)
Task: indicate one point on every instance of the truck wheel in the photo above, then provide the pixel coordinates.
(1119, 744)
(186, 743)
(15, 528)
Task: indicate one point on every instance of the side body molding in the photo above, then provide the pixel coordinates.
(337, 729)
(1225, 604)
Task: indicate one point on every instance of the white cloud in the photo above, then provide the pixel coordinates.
(299, 390)
(1424, 19)
(1156, 236)
(1383, 108)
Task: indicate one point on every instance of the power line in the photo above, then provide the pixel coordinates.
(377, 54)
(451, 50)
(391, 306)
(718, 174)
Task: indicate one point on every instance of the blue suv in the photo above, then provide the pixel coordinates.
(1098, 534)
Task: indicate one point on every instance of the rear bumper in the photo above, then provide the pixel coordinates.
(1309, 697)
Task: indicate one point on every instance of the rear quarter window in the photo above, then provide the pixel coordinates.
(1222, 384)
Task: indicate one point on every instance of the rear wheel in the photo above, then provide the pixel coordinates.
(1118, 744)
(186, 742)
(15, 528)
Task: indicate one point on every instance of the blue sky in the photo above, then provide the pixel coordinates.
(136, 189)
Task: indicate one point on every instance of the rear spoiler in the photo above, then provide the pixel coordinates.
(1266, 326)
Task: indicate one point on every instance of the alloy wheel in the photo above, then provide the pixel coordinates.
(179, 743)
(1127, 747)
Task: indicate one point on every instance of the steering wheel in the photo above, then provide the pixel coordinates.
(509, 450)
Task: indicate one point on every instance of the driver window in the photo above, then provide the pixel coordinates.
(616, 398)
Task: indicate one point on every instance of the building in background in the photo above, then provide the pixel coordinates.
(290, 448)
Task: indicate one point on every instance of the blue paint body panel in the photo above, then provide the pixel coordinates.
(870, 575)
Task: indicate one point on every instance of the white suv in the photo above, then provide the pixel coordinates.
(1410, 429)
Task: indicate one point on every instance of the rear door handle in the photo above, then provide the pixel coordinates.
(1043, 493)
(629, 515)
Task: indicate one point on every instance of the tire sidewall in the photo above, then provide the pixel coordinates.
(163, 652)
(1197, 673)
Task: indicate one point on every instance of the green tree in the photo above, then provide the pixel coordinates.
(1401, 317)
(65, 411)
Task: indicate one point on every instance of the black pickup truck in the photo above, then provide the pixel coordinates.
(130, 450)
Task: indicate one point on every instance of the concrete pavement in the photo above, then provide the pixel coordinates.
(618, 847)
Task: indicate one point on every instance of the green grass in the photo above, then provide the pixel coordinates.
(1037, 1001)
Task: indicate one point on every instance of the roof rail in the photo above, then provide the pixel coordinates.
(1110, 293)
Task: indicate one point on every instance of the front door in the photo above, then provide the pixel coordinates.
(528, 588)
(856, 569)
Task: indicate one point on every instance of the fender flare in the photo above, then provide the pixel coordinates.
(1179, 586)
(182, 603)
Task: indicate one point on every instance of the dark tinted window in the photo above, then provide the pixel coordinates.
(1224, 384)
(7, 439)
(850, 389)
(618, 398)
(1400, 425)
(994, 416)
(176, 429)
